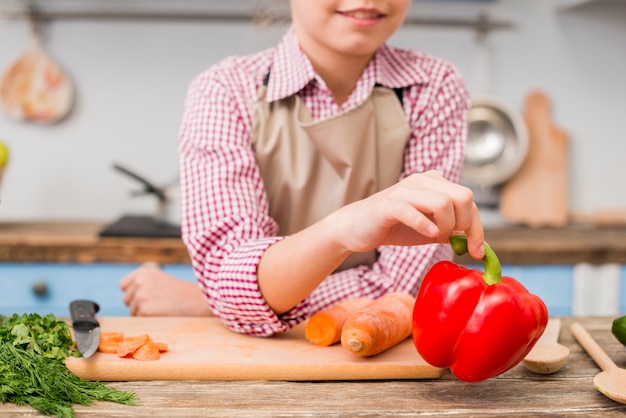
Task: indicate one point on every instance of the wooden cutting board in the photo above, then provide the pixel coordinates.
(204, 349)
(537, 194)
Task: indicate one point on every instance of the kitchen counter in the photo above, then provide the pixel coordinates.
(518, 392)
(576, 243)
(67, 242)
(76, 242)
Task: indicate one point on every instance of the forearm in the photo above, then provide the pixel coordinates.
(292, 268)
(397, 269)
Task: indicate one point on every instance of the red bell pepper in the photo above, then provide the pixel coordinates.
(479, 325)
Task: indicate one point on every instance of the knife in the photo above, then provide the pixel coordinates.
(86, 326)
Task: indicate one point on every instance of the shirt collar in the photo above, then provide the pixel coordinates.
(397, 67)
(291, 70)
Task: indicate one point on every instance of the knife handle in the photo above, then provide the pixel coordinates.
(83, 314)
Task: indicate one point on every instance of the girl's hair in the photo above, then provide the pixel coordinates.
(271, 12)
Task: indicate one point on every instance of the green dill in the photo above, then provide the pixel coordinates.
(32, 370)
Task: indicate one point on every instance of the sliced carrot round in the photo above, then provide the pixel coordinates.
(113, 336)
(130, 344)
(163, 347)
(109, 347)
(147, 352)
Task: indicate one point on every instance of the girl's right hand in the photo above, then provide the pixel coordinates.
(149, 291)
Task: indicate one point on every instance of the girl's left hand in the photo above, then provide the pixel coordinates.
(421, 209)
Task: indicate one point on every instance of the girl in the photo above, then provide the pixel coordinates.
(323, 169)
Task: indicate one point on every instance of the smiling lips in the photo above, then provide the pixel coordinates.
(362, 14)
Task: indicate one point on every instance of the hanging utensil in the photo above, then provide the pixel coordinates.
(537, 195)
(34, 88)
(497, 139)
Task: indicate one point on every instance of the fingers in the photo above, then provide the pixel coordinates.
(405, 213)
(129, 285)
(127, 280)
(449, 205)
(444, 208)
(421, 209)
(475, 235)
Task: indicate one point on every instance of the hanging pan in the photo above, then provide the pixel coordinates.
(497, 142)
(497, 139)
(34, 88)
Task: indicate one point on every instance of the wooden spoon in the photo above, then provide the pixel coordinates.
(547, 356)
(611, 382)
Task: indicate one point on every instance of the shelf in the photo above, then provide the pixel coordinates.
(260, 12)
(572, 5)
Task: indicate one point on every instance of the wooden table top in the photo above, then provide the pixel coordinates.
(78, 242)
(518, 392)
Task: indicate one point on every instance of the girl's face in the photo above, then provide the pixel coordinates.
(349, 27)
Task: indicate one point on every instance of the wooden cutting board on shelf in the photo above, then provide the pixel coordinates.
(204, 349)
(537, 195)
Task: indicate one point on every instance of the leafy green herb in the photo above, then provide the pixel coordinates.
(32, 369)
(44, 335)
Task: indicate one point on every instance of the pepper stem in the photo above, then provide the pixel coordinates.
(493, 269)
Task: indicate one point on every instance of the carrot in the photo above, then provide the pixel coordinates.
(147, 352)
(109, 347)
(324, 327)
(163, 347)
(130, 344)
(109, 341)
(379, 326)
(114, 342)
(111, 336)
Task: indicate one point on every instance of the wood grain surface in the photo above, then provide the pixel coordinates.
(575, 244)
(516, 393)
(75, 242)
(78, 242)
(537, 194)
(204, 349)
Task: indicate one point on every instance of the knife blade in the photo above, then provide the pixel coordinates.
(86, 326)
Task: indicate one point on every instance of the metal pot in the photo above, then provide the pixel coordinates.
(497, 142)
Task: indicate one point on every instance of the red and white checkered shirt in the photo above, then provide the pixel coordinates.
(225, 222)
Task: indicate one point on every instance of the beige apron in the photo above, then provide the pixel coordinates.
(312, 168)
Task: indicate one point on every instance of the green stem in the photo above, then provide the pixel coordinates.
(493, 269)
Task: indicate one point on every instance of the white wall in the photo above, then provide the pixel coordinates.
(131, 79)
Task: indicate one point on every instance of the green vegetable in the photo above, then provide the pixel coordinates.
(45, 335)
(619, 329)
(32, 370)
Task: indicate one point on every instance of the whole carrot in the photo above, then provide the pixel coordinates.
(379, 326)
(324, 327)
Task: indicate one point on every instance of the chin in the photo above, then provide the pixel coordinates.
(360, 46)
